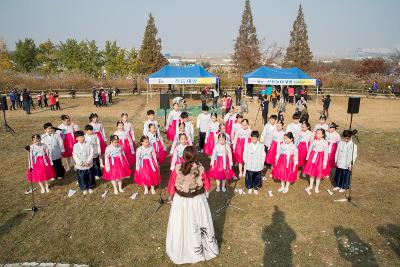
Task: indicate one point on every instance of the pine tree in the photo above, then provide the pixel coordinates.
(298, 52)
(150, 57)
(47, 57)
(133, 61)
(247, 54)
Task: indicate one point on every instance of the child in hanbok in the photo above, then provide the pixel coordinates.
(40, 165)
(242, 138)
(147, 170)
(128, 127)
(116, 165)
(68, 130)
(98, 130)
(230, 119)
(157, 143)
(211, 134)
(126, 142)
(333, 139)
(177, 158)
(173, 120)
(277, 139)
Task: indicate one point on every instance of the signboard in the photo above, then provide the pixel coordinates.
(208, 80)
(282, 81)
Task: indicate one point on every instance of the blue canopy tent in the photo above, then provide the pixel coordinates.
(273, 76)
(181, 75)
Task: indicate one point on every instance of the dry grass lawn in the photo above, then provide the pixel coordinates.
(283, 230)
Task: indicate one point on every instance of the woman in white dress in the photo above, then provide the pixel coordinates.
(190, 234)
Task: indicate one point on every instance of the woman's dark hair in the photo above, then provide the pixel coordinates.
(255, 134)
(143, 138)
(289, 135)
(120, 122)
(47, 125)
(307, 124)
(323, 132)
(190, 156)
(92, 115)
(214, 115)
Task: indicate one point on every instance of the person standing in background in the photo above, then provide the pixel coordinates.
(25, 101)
(12, 99)
(238, 94)
(264, 107)
(215, 97)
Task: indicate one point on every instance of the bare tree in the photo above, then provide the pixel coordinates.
(272, 54)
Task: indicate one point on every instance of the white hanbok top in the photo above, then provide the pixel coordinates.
(39, 150)
(242, 134)
(98, 128)
(55, 145)
(189, 130)
(173, 115)
(95, 142)
(202, 122)
(321, 126)
(113, 152)
(344, 153)
(332, 138)
(230, 117)
(83, 153)
(266, 136)
(306, 137)
(143, 153)
(294, 128)
(253, 157)
(176, 155)
(124, 136)
(222, 151)
(153, 139)
(235, 128)
(68, 129)
(146, 126)
(128, 127)
(213, 127)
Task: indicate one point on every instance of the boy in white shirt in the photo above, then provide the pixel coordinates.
(203, 121)
(56, 147)
(94, 141)
(346, 155)
(268, 131)
(150, 120)
(253, 157)
(295, 126)
(188, 126)
(83, 157)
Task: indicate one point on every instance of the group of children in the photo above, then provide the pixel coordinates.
(226, 143)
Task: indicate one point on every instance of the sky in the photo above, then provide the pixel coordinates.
(335, 27)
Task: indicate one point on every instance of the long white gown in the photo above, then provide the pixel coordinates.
(190, 234)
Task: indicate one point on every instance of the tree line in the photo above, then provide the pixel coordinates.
(85, 57)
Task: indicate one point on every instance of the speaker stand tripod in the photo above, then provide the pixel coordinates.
(5, 124)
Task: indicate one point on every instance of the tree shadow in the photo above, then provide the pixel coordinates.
(353, 249)
(391, 233)
(11, 223)
(277, 238)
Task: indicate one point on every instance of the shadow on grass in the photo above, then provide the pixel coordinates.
(12, 222)
(353, 249)
(391, 233)
(277, 238)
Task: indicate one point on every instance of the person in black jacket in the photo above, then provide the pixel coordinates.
(264, 108)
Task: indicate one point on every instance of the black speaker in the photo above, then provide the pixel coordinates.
(353, 106)
(164, 101)
(3, 103)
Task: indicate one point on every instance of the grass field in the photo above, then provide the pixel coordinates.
(283, 230)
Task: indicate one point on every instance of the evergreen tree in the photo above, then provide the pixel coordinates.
(5, 59)
(69, 54)
(150, 57)
(47, 57)
(25, 55)
(91, 58)
(247, 54)
(298, 52)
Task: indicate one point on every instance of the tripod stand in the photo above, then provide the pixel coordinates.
(5, 124)
(34, 208)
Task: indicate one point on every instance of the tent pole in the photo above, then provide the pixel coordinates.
(183, 89)
(151, 95)
(147, 94)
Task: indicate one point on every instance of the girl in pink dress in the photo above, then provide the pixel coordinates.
(181, 130)
(222, 130)
(213, 127)
(333, 139)
(286, 161)
(236, 126)
(116, 165)
(239, 142)
(40, 164)
(221, 163)
(173, 122)
(157, 143)
(126, 142)
(277, 140)
(98, 129)
(321, 125)
(177, 158)
(128, 127)
(317, 160)
(68, 130)
(303, 142)
(230, 119)
(147, 172)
